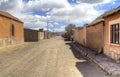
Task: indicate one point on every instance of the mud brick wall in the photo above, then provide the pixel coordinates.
(5, 32)
(76, 35)
(110, 49)
(31, 35)
(94, 36)
(80, 35)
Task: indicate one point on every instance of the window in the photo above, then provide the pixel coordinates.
(12, 30)
(115, 33)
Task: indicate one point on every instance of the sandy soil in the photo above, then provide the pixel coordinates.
(47, 58)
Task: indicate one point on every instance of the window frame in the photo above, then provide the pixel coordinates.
(115, 34)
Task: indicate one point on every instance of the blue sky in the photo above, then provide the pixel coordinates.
(59, 13)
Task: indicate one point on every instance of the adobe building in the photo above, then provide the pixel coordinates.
(103, 34)
(112, 34)
(31, 35)
(34, 35)
(41, 34)
(11, 30)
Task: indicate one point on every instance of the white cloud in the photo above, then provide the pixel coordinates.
(46, 4)
(61, 29)
(76, 14)
(7, 4)
(60, 10)
(95, 1)
(56, 23)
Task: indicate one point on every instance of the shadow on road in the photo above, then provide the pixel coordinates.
(74, 51)
(31, 41)
(86, 67)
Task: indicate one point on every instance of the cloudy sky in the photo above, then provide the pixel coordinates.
(59, 13)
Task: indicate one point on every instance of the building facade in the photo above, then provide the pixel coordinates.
(11, 30)
(112, 35)
(34, 35)
(31, 35)
(41, 34)
(103, 34)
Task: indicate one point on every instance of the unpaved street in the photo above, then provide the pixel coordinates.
(47, 58)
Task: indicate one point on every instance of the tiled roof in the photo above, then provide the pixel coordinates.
(6, 14)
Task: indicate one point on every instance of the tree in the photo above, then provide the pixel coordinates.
(69, 31)
(69, 27)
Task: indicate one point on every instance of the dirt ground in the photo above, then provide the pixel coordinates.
(48, 58)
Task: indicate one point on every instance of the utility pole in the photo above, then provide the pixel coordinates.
(47, 30)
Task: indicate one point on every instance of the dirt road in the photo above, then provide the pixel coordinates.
(47, 58)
